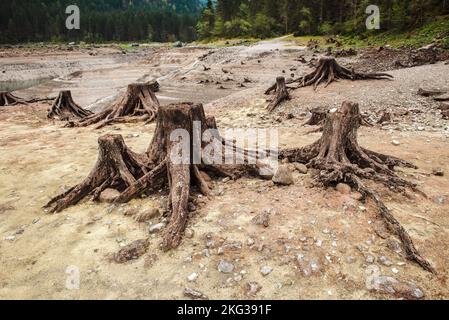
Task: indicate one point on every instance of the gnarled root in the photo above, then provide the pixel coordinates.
(338, 158)
(170, 162)
(138, 104)
(117, 167)
(8, 99)
(281, 94)
(65, 109)
(328, 71)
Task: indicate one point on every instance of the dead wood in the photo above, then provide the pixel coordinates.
(430, 93)
(319, 114)
(138, 104)
(281, 94)
(386, 117)
(163, 165)
(338, 157)
(328, 71)
(65, 109)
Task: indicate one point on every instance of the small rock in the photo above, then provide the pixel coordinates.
(370, 259)
(395, 143)
(250, 242)
(109, 195)
(301, 168)
(157, 227)
(10, 238)
(225, 267)
(262, 219)
(131, 212)
(439, 172)
(132, 251)
(343, 188)
(252, 288)
(192, 277)
(283, 176)
(266, 270)
(383, 260)
(194, 294)
(407, 290)
(189, 233)
(147, 215)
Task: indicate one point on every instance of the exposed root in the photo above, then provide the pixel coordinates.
(328, 71)
(138, 104)
(165, 165)
(281, 94)
(338, 158)
(8, 99)
(65, 109)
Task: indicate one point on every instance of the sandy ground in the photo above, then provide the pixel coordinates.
(332, 232)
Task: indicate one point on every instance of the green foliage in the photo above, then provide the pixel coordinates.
(268, 18)
(101, 20)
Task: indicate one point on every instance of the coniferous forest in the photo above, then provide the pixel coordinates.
(101, 20)
(268, 18)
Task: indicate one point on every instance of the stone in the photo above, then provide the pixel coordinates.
(10, 238)
(194, 294)
(266, 270)
(132, 251)
(343, 188)
(301, 168)
(383, 260)
(252, 289)
(192, 277)
(147, 215)
(157, 227)
(262, 219)
(131, 212)
(385, 284)
(189, 233)
(250, 242)
(395, 143)
(283, 176)
(394, 245)
(109, 195)
(225, 266)
(369, 259)
(439, 172)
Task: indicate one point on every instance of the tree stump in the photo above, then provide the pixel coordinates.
(175, 159)
(338, 158)
(328, 71)
(319, 114)
(139, 103)
(65, 109)
(8, 99)
(281, 94)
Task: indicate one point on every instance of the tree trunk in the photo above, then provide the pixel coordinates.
(339, 158)
(65, 109)
(165, 164)
(281, 94)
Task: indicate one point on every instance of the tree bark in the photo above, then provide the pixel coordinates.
(65, 109)
(139, 103)
(338, 158)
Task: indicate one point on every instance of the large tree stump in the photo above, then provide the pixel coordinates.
(338, 158)
(65, 109)
(328, 71)
(8, 99)
(175, 159)
(139, 103)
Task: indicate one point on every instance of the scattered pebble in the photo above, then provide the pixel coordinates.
(225, 266)
(266, 270)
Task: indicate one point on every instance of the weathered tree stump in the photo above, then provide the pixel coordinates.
(339, 158)
(8, 99)
(328, 71)
(281, 94)
(139, 103)
(65, 109)
(319, 114)
(164, 165)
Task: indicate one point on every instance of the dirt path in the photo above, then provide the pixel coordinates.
(320, 244)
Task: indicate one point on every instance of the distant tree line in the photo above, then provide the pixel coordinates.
(267, 18)
(101, 20)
